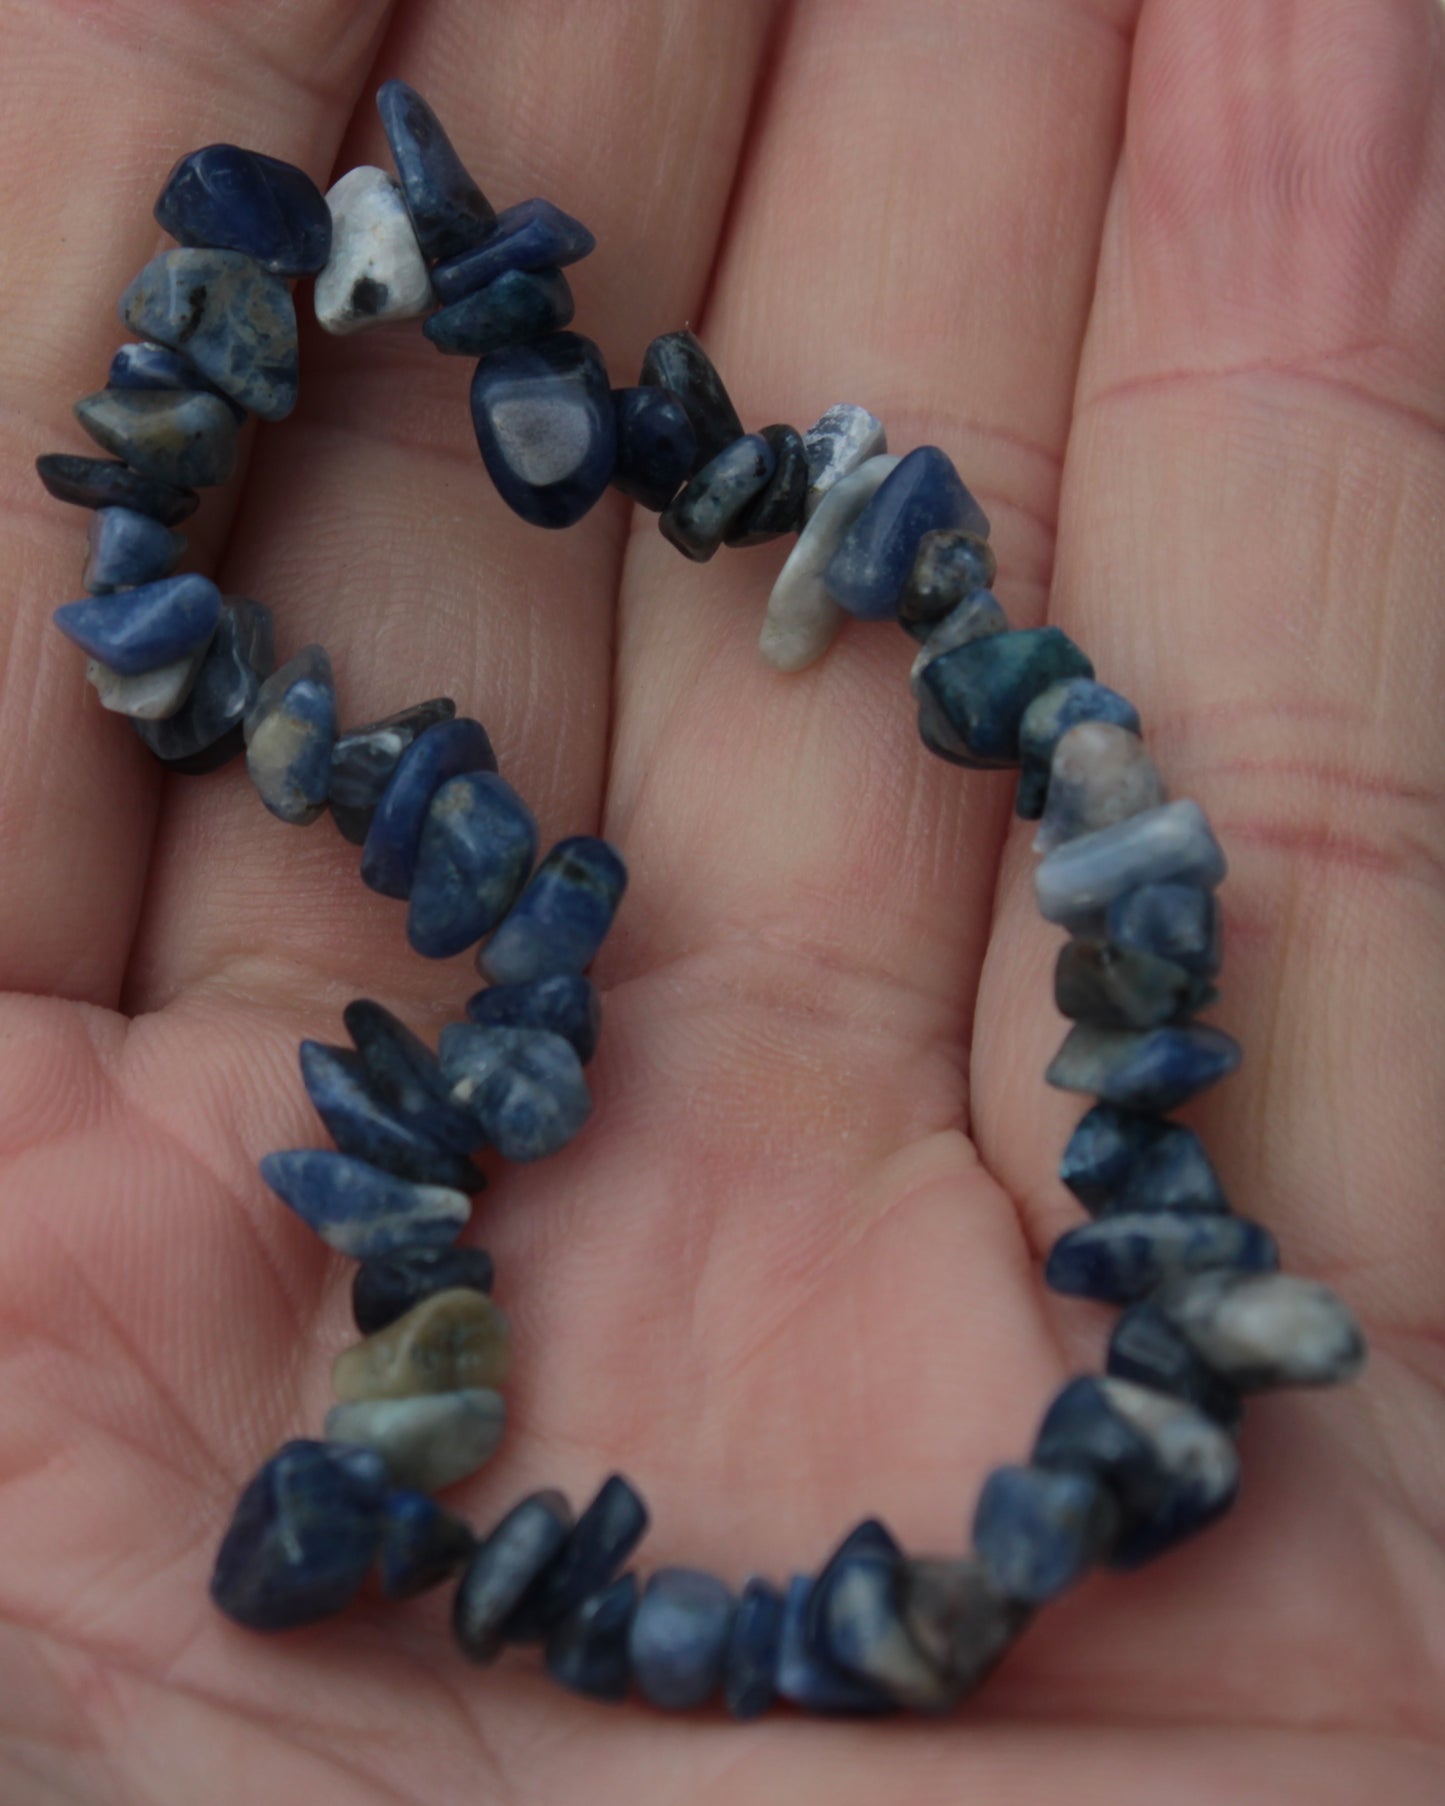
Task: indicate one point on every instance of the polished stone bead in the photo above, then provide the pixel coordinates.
(428, 1441)
(205, 732)
(802, 617)
(440, 752)
(677, 362)
(807, 1678)
(141, 629)
(375, 274)
(186, 437)
(407, 1074)
(146, 365)
(359, 1210)
(364, 759)
(545, 427)
(678, 1636)
(656, 446)
(839, 441)
(1036, 1531)
(1178, 922)
(362, 1123)
(104, 483)
(1094, 982)
(302, 1538)
(779, 508)
(149, 695)
(1078, 881)
(215, 755)
(516, 307)
(290, 729)
(1101, 774)
(1124, 1160)
(1045, 722)
(524, 1086)
(949, 567)
(857, 1623)
(1143, 1069)
(232, 319)
(388, 1285)
(588, 1650)
(126, 548)
(453, 1341)
(867, 572)
(477, 847)
(448, 210)
(142, 364)
(1170, 1470)
(532, 235)
(422, 1544)
(957, 1616)
(1121, 1257)
(562, 917)
(239, 200)
(1145, 1347)
(975, 618)
(504, 1565)
(750, 1661)
(566, 1004)
(982, 688)
(870, 1539)
(866, 1637)
(603, 1537)
(1259, 1331)
(698, 519)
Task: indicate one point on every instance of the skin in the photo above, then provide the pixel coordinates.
(1165, 280)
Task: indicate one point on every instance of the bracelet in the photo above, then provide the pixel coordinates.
(1125, 1465)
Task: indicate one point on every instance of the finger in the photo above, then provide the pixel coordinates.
(372, 526)
(789, 836)
(1251, 550)
(762, 1189)
(77, 793)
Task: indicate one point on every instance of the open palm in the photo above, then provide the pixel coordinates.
(1166, 280)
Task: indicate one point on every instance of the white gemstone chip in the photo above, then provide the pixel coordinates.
(1082, 877)
(1262, 1330)
(802, 617)
(375, 273)
(835, 445)
(429, 1441)
(149, 695)
(1100, 774)
(1189, 1446)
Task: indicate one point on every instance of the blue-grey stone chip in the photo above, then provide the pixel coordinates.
(545, 427)
(477, 846)
(449, 212)
(234, 320)
(1124, 1256)
(504, 1565)
(363, 1123)
(678, 1637)
(186, 437)
(206, 731)
(227, 198)
(107, 483)
(393, 838)
(302, 1538)
(141, 629)
(127, 548)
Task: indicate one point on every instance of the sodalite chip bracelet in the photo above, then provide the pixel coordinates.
(1124, 1465)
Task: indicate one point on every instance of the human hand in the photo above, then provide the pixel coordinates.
(1170, 296)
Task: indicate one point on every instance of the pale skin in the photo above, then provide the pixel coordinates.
(1166, 281)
